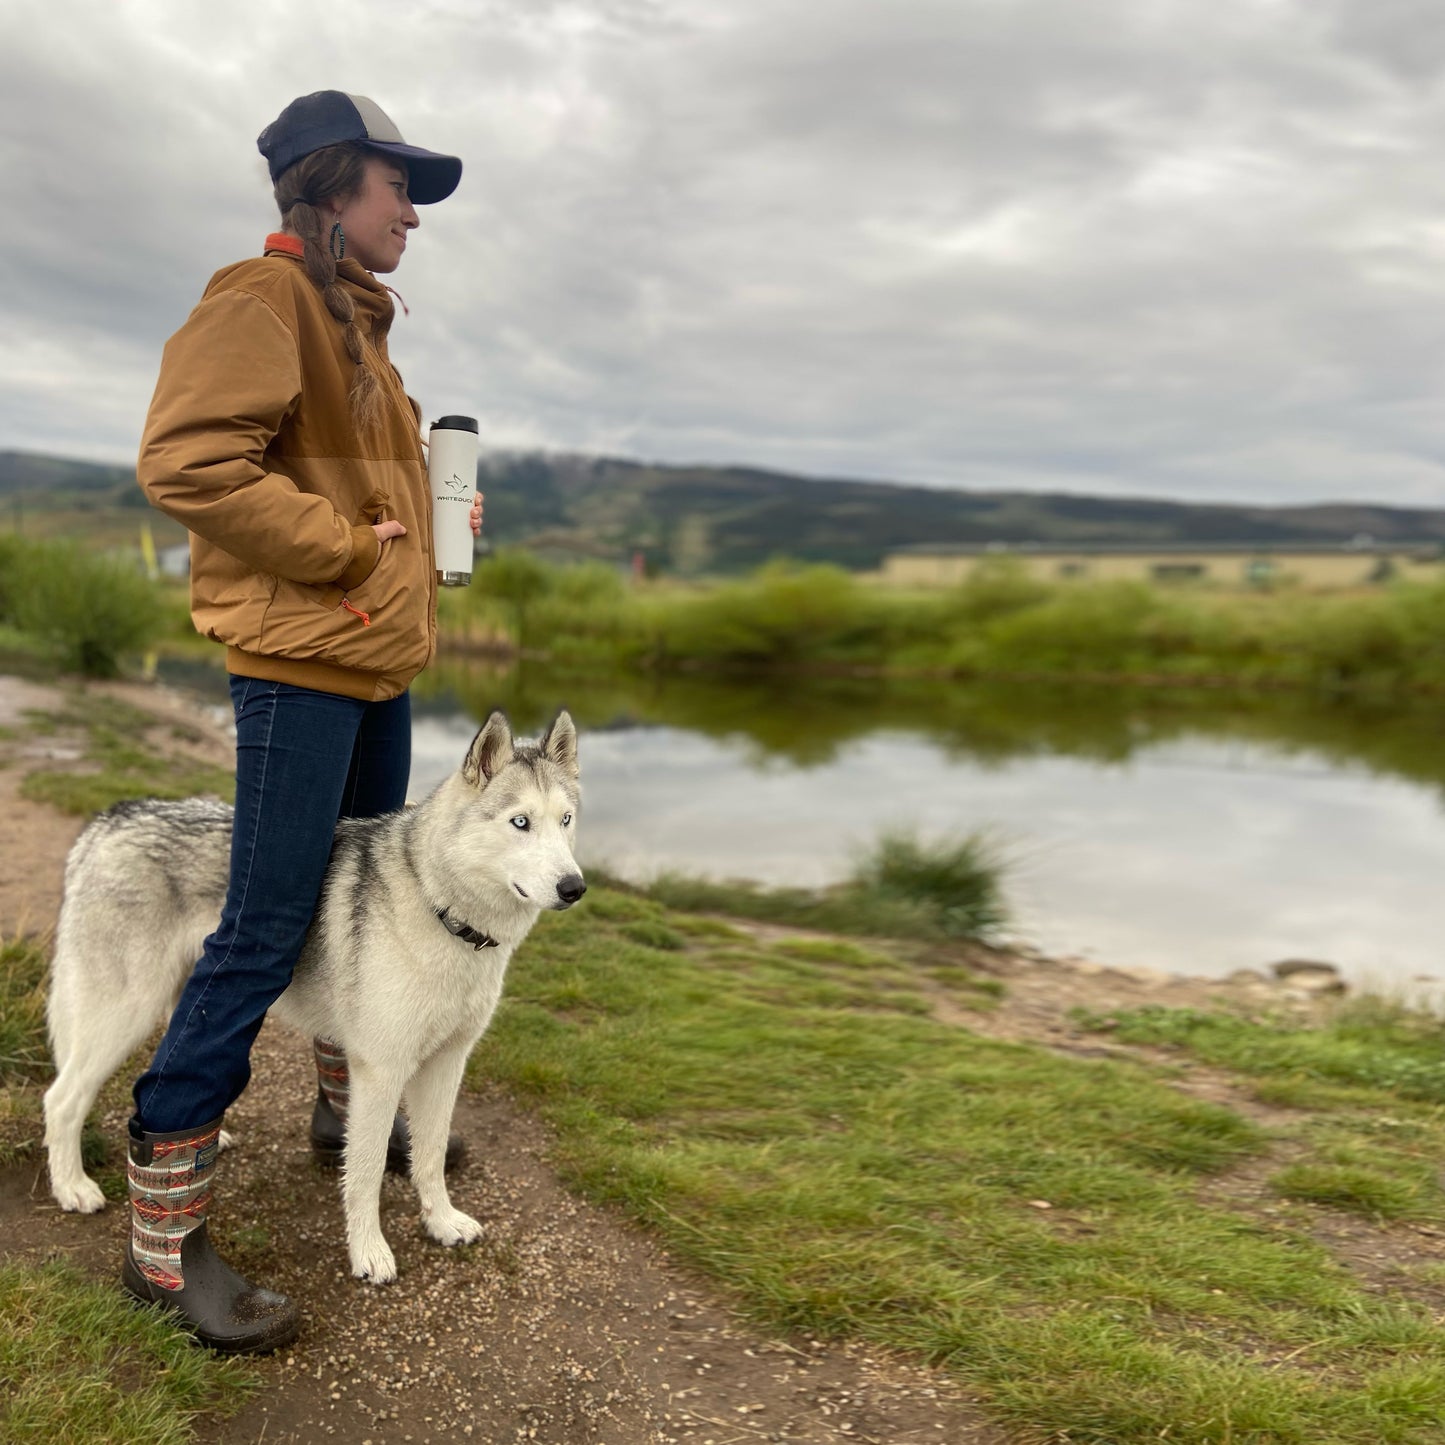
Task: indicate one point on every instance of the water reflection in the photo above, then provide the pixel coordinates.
(1180, 830)
(1175, 830)
(804, 723)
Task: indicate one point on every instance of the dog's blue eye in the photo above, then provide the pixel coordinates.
(566, 818)
(520, 821)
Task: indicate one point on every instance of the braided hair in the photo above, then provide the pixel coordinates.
(336, 170)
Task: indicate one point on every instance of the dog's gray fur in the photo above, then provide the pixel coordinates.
(380, 973)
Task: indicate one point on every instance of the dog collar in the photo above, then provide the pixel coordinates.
(466, 932)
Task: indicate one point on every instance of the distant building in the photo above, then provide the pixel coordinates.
(175, 561)
(1311, 565)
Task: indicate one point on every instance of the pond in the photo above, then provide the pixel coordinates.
(1177, 830)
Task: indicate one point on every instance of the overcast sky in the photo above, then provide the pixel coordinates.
(1182, 248)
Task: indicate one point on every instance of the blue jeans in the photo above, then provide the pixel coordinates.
(303, 760)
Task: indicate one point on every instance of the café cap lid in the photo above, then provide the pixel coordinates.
(456, 423)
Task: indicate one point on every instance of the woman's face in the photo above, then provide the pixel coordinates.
(376, 219)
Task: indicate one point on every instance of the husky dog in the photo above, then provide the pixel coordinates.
(402, 966)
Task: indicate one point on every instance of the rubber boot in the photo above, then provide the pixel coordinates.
(169, 1259)
(328, 1117)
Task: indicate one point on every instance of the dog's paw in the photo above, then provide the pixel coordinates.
(374, 1263)
(82, 1197)
(451, 1226)
(226, 1140)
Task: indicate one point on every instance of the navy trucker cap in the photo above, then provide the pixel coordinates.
(329, 117)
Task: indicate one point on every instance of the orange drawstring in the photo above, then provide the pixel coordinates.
(365, 616)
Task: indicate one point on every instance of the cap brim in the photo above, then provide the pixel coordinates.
(430, 177)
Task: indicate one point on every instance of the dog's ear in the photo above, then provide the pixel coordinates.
(560, 744)
(490, 752)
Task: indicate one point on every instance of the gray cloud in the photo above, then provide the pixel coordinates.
(1101, 245)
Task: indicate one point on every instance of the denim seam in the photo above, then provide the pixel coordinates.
(352, 785)
(250, 862)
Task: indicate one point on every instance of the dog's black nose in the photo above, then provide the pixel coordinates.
(571, 888)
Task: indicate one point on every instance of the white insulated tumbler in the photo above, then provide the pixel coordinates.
(452, 472)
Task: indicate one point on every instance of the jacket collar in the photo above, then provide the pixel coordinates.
(282, 243)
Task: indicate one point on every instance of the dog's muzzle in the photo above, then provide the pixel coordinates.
(569, 890)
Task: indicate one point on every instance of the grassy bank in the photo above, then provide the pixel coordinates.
(1074, 1238)
(998, 623)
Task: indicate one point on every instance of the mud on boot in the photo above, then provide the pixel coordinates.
(169, 1258)
(328, 1118)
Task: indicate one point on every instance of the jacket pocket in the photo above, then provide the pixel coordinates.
(376, 508)
(326, 623)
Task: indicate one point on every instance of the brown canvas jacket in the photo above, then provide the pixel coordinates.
(249, 443)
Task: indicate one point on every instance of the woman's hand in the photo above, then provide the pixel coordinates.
(385, 531)
(477, 516)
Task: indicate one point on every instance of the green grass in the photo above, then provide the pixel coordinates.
(1369, 1045)
(903, 889)
(122, 764)
(793, 1121)
(1359, 1188)
(24, 1053)
(24, 1057)
(1369, 1082)
(79, 1364)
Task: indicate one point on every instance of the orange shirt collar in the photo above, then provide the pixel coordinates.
(348, 270)
(282, 241)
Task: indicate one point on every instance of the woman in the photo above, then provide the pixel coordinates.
(281, 436)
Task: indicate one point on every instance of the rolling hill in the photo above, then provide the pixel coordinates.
(699, 519)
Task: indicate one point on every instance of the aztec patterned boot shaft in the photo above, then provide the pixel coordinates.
(328, 1117)
(169, 1259)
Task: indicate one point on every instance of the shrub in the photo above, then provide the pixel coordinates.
(955, 882)
(517, 578)
(780, 614)
(1101, 627)
(995, 588)
(90, 610)
(902, 889)
(11, 551)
